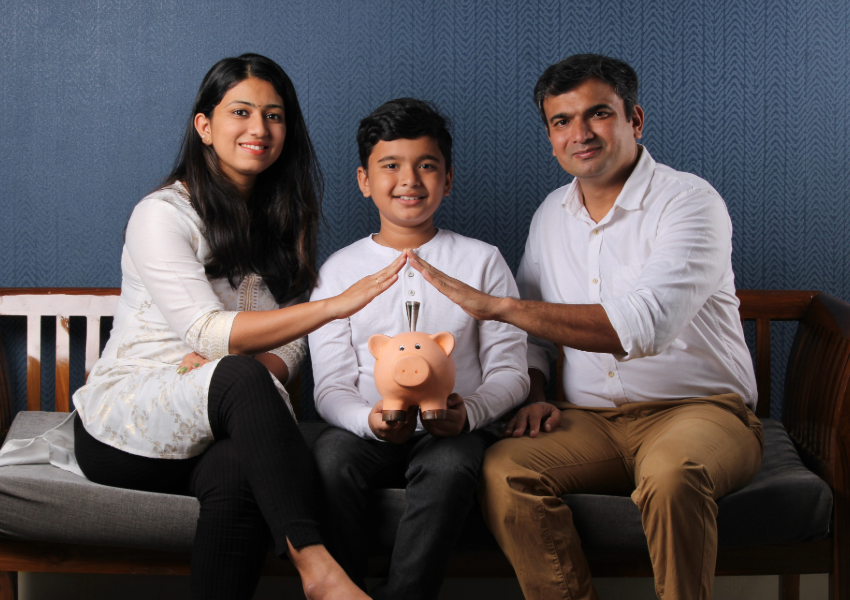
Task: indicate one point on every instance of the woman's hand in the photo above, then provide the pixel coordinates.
(367, 289)
(191, 361)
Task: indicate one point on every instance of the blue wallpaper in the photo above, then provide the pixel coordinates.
(751, 95)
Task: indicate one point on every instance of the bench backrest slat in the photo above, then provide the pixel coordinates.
(817, 386)
(62, 304)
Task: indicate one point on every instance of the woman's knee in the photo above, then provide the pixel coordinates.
(243, 371)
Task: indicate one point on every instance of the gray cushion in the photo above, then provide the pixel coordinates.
(784, 503)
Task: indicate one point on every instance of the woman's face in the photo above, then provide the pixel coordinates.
(247, 130)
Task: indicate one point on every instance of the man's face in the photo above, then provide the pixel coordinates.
(589, 132)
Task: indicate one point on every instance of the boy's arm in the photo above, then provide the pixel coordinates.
(502, 353)
(335, 372)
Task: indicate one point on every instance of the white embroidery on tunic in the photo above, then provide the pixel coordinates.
(210, 335)
(293, 355)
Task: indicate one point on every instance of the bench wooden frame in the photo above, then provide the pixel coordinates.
(817, 417)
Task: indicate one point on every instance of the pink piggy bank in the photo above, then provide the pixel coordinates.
(414, 369)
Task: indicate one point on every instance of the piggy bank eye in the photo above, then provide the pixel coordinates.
(401, 347)
(418, 346)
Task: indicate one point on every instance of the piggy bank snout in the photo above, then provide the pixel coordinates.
(410, 371)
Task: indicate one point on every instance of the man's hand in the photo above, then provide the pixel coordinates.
(532, 417)
(477, 305)
(394, 432)
(454, 424)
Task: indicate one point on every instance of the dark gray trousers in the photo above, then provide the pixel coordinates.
(441, 477)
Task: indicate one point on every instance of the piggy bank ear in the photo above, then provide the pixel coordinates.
(445, 340)
(377, 343)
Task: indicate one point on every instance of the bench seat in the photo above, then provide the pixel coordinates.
(785, 503)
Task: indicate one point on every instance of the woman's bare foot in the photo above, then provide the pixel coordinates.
(321, 576)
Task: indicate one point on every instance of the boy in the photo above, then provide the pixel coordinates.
(405, 156)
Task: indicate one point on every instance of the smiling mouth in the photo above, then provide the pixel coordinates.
(254, 147)
(589, 153)
(406, 199)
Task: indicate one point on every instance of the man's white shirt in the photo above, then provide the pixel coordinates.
(660, 264)
(492, 373)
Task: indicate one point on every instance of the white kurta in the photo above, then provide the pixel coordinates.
(134, 399)
(492, 373)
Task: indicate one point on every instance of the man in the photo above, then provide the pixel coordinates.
(629, 269)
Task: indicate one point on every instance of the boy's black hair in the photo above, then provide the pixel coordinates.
(404, 118)
(565, 75)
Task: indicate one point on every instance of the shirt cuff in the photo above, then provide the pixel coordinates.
(538, 359)
(621, 326)
(210, 335)
(293, 355)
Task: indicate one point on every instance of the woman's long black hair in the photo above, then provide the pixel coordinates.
(274, 234)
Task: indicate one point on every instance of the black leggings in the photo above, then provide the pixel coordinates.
(255, 481)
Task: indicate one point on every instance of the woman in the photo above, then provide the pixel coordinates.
(208, 260)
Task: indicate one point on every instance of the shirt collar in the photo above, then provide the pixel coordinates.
(632, 194)
(423, 249)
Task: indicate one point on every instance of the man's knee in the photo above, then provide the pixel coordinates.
(669, 479)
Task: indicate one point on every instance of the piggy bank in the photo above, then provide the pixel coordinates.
(414, 369)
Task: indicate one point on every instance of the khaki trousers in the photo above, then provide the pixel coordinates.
(674, 457)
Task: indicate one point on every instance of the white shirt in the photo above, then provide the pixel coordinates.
(492, 373)
(660, 264)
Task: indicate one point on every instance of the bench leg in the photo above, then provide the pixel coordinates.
(789, 587)
(8, 585)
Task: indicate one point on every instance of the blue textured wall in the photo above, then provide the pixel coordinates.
(753, 96)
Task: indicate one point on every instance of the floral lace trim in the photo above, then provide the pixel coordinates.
(210, 335)
(293, 355)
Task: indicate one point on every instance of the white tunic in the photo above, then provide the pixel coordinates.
(134, 399)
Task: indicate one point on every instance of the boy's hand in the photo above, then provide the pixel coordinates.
(454, 424)
(394, 432)
(478, 305)
(367, 289)
(531, 417)
(191, 361)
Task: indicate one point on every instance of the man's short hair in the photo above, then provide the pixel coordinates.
(404, 118)
(565, 75)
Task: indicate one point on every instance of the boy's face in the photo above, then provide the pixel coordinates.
(406, 180)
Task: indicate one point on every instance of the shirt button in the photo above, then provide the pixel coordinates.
(595, 232)
(610, 373)
(410, 273)
(595, 280)
(412, 293)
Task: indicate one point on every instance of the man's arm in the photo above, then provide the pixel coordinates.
(501, 355)
(581, 326)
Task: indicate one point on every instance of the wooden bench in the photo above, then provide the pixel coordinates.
(816, 416)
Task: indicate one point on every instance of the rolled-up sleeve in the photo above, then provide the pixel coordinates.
(159, 242)
(692, 251)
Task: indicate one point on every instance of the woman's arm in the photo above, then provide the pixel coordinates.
(254, 332)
